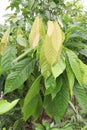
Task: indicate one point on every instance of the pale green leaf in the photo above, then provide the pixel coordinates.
(59, 67)
(21, 41)
(59, 84)
(75, 65)
(50, 84)
(6, 106)
(22, 71)
(45, 66)
(83, 68)
(70, 76)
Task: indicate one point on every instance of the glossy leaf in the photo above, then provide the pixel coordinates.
(6, 106)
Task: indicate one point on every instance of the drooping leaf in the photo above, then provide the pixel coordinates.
(22, 71)
(36, 32)
(6, 106)
(51, 48)
(70, 76)
(30, 107)
(45, 66)
(81, 97)
(31, 99)
(59, 67)
(50, 84)
(7, 58)
(4, 41)
(38, 109)
(21, 41)
(57, 107)
(75, 65)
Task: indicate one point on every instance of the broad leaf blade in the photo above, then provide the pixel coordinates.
(6, 106)
(70, 76)
(59, 84)
(7, 58)
(51, 48)
(83, 68)
(81, 97)
(75, 65)
(31, 99)
(21, 41)
(22, 71)
(59, 67)
(50, 84)
(57, 107)
(36, 31)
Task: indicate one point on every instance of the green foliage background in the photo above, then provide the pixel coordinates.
(43, 57)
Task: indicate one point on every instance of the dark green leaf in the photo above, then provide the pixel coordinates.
(57, 107)
(22, 71)
(32, 99)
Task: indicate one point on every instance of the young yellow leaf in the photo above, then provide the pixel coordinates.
(51, 47)
(36, 31)
(4, 41)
